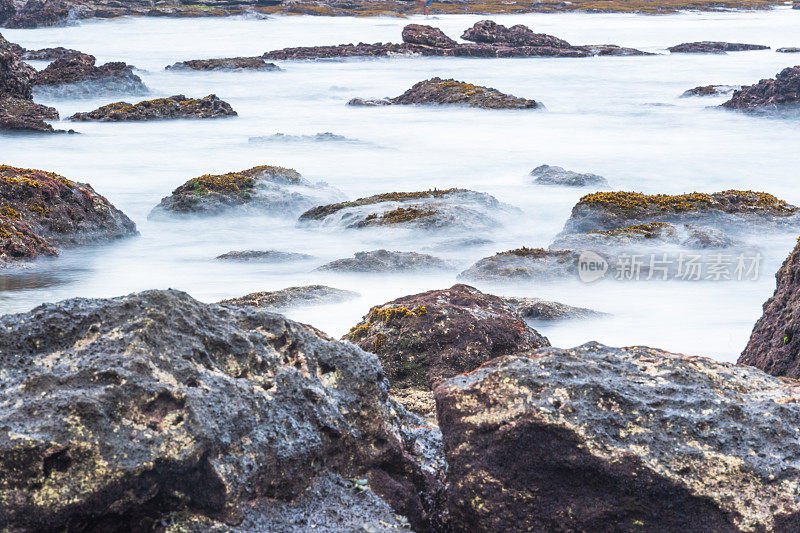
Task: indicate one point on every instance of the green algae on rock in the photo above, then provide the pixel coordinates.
(173, 107)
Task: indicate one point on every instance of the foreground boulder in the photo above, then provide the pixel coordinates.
(230, 63)
(144, 408)
(713, 47)
(551, 175)
(292, 297)
(425, 338)
(524, 264)
(76, 75)
(173, 107)
(775, 340)
(266, 188)
(772, 94)
(41, 211)
(386, 261)
(711, 90)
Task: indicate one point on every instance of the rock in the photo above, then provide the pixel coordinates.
(549, 175)
(607, 439)
(174, 107)
(76, 75)
(713, 47)
(293, 297)
(231, 63)
(338, 51)
(449, 209)
(263, 256)
(524, 264)
(386, 261)
(40, 211)
(650, 234)
(51, 54)
(369, 102)
(16, 77)
(789, 49)
(7, 10)
(775, 342)
(262, 189)
(136, 409)
(425, 338)
(538, 309)
(711, 90)
(318, 137)
(489, 32)
(744, 209)
(611, 50)
(700, 237)
(439, 91)
(781, 92)
(427, 36)
(19, 114)
(38, 13)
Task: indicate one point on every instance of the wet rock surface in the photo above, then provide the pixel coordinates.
(539, 309)
(781, 92)
(76, 75)
(489, 32)
(608, 439)
(714, 47)
(136, 409)
(524, 264)
(292, 297)
(230, 63)
(263, 189)
(42, 211)
(263, 256)
(174, 107)
(427, 36)
(386, 261)
(50, 54)
(775, 340)
(553, 175)
(449, 91)
(711, 90)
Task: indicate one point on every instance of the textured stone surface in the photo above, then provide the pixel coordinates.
(711, 90)
(21, 114)
(777, 93)
(230, 63)
(160, 109)
(76, 74)
(489, 32)
(50, 54)
(523, 264)
(608, 439)
(449, 91)
(426, 35)
(293, 296)
(263, 256)
(552, 175)
(713, 47)
(386, 261)
(539, 309)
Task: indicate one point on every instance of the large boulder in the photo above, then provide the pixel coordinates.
(129, 412)
(489, 32)
(607, 439)
(775, 340)
(174, 107)
(552, 175)
(439, 91)
(524, 264)
(264, 189)
(426, 35)
(713, 47)
(386, 261)
(41, 211)
(37, 13)
(22, 114)
(293, 297)
(781, 92)
(76, 75)
(229, 63)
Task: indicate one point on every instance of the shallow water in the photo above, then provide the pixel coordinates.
(618, 117)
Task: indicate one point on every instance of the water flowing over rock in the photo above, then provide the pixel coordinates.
(651, 234)
(711, 90)
(75, 75)
(263, 256)
(386, 261)
(292, 297)
(771, 94)
(230, 63)
(608, 439)
(174, 107)
(264, 189)
(41, 211)
(713, 47)
(539, 309)
(136, 409)
(552, 175)
(524, 264)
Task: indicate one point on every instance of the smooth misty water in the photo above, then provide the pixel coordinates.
(619, 117)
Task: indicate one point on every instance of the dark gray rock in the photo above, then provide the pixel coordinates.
(711, 90)
(263, 256)
(386, 261)
(713, 47)
(539, 309)
(230, 63)
(551, 175)
(292, 297)
(789, 49)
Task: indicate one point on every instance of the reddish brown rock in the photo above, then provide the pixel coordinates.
(439, 91)
(489, 32)
(174, 107)
(781, 92)
(75, 68)
(20, 114)
(427, 36)
(16, 77)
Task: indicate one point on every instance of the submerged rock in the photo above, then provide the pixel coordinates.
(711, 90)
(425, 338)
(174, 107)
(607, 439)
(230, 63)
(136, 409)
(317, 137)
(539, 309)
(713, 47)
(263, 256)
(524, 264)
(775, 340)
(292, 297)
(76, 75)
(50, 54)
(41, 211)
(772, 94)
(369, 102)
(386, 261)
(439, 91)
(265, 188)
(650, 234)
(551, 175)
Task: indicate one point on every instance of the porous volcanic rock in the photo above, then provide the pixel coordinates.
(435, 209)
(386, 261)
(523, 264)
(16, 77)
(711, 90)
(775, 340)
(266, 188)
(136, 409)
(263, 256)
(771, 94)
(174, 107)
(552, 175)
(744, 209)
(620, 439)
(22, 114)
(425, 338)
(539, 309)
(293, 296)
(713, 47)
(41, 211)
(439, 91)
(76, 75)
(489, 32)
(427, 36)
(229, 63)
(50, 54)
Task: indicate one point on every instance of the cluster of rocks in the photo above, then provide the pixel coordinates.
(781, 92)
(75, 74)
(488, 39)
(173, 107)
